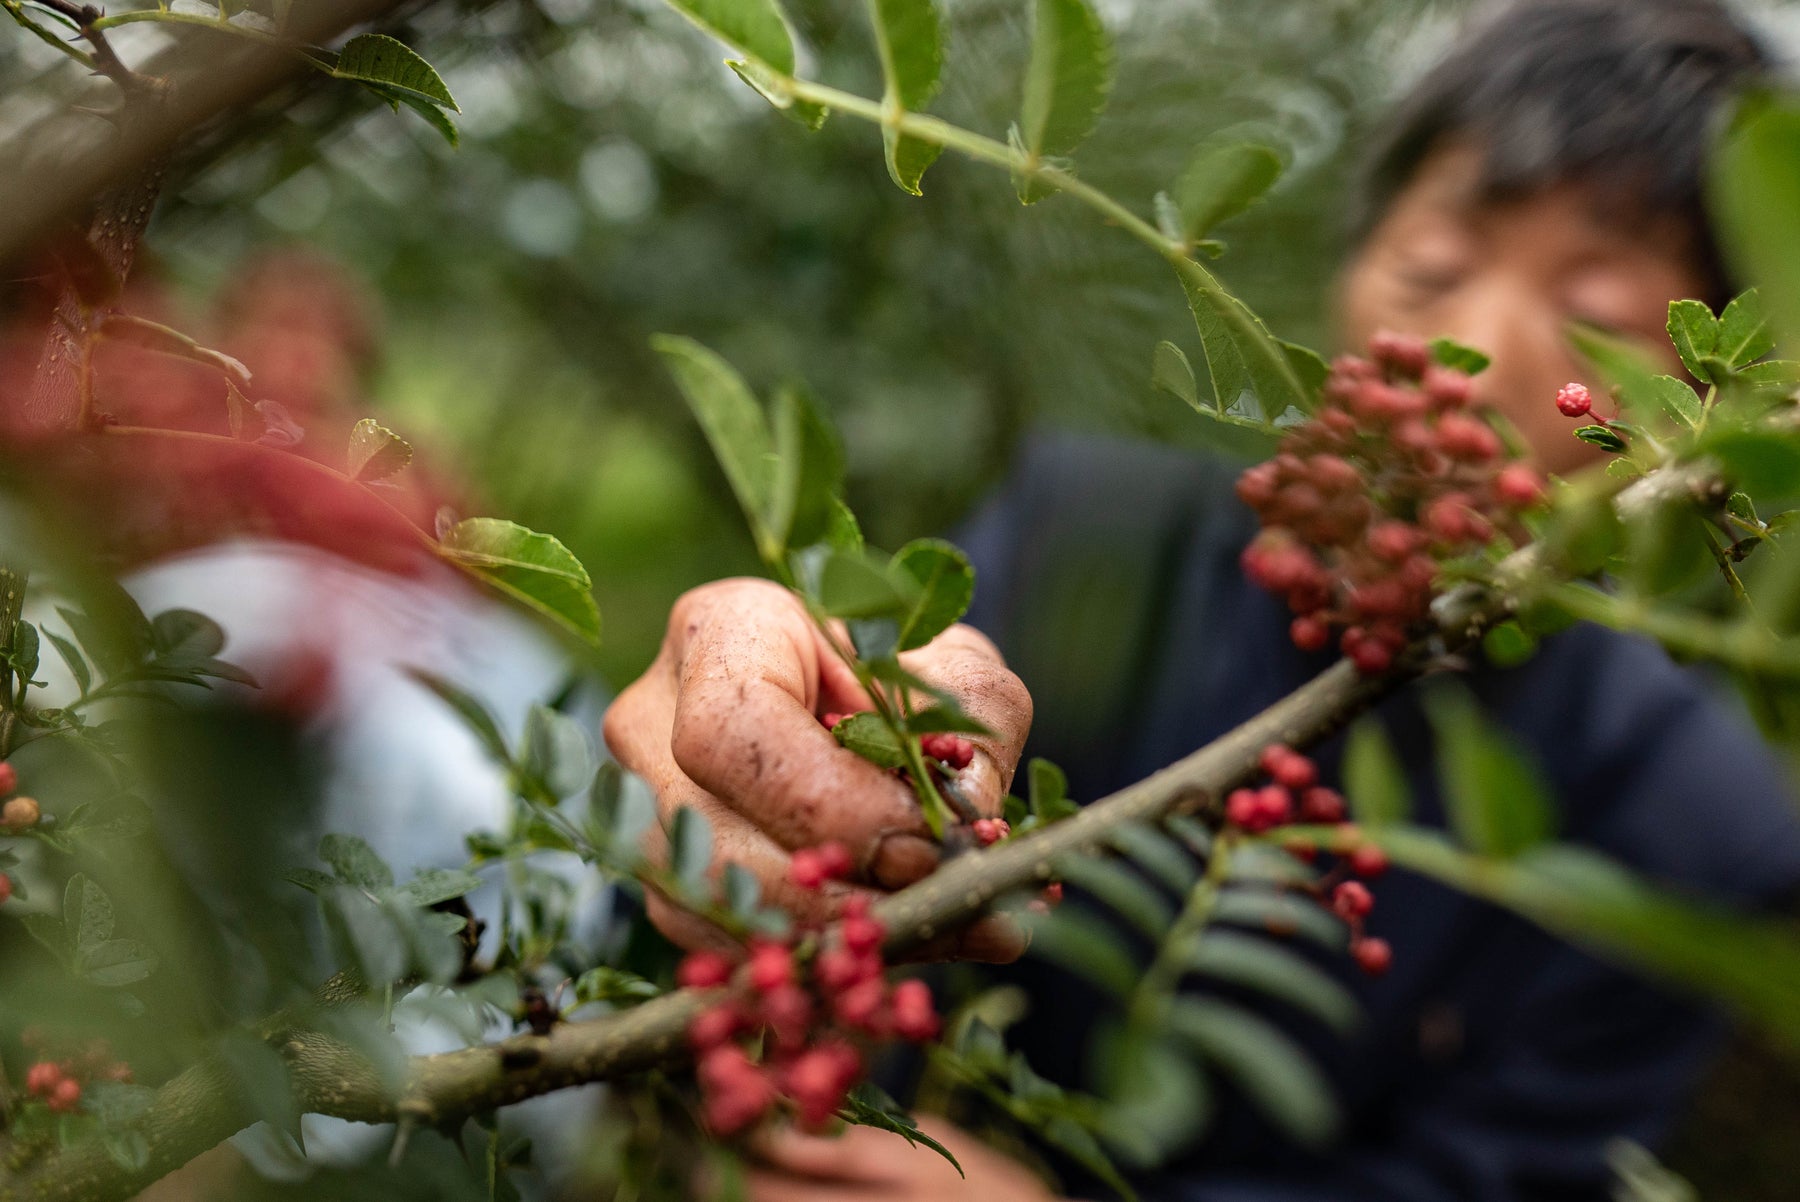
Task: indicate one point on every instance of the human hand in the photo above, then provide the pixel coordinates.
(866, 1165)
(724, 721)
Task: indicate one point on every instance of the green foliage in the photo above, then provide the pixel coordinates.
(1375, 781)
(1220, 183)
(1066, 85)
(1498, 802)
(1266, 1064)
(531, 568)
(1466, 359)
(376, 452)
(1754, 191)
(910, 41)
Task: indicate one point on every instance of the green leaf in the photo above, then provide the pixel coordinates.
(1241, 355)
(115, 962)
(474, 714)
(945, 718)
(434, 116)
(261, 1078)
(855, 585)
(1508, 645)
(742, 890)
(78, 667)
(1079, 1144)
(1677, 398)
(1066, 82)
(775, 87)
(1454, 354)
(376, 58)
(1171, 372)
(1497, 800)
(533, 569)
(1087, 945)
(1763, 461)
(809, 472)
(1220, 183)
(1753, 192)
(1695, 332)
(1120, 890)
(430, 886)
(1744, 332)
(87, 912)
(376, 452)
(1271, 1070)
(1277, 912)
(1602, 437)
(868, 736)
(946, 584)
(1258, 964)
(911, 45)
(1157, 1097)
(1375, 782)
(555, 751)
(355, 862)
(1624, 365)
(868, 1105)
(754, 27)
(1157, 854)
(185, 634)
(690, 848)
(310, 879)
(735, 428)
(1775, 375)
(1049, 791)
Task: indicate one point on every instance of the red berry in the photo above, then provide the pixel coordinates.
(1274, 806)
(861, 933)
(9, 778)
(831, 718)
(6, 888)
(1310, 634)
(1291, 769)
(818, 1079)
(989, 831)
(953, 750)
(1400, 353)
(915, 1017)
(771, 965)
(1241, 808)
(737, 1092)
(1574, 400)
(1368, 861)
(1300, 849)
(716, 1025)
(807, 869)
(1321, 805)
(1448, 519)
(1373, 956)
(20, 813)
(837, 968)
(836, 860)
(863, 1006)
(788, 1011)
(1467, 438)
(1352, 899)
(1371, 656)
(1392, 541)
(1052, 894)
(1256, 486)
(1448, 387)
(1518, 486)
(41, 1078)
(67, 1096)
(703, 970)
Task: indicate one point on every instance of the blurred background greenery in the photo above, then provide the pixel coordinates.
(614, 180)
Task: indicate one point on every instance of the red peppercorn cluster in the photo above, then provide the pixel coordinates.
(1293, 793)
(1394, 474)
(58, 1083)
(801, 1034)
(17, 815)
(944, 753)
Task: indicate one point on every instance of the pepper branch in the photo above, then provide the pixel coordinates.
(200, 1108)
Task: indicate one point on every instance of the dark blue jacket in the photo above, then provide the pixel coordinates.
(1496, 1061)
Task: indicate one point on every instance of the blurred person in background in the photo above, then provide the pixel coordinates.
(1548, 171)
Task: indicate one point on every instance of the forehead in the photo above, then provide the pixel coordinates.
(1452, 187)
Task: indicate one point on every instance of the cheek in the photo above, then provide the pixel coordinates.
(1357, 306)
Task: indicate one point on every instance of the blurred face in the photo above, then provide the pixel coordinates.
(1507, 277)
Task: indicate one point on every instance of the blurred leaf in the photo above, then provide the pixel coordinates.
(734, 426)
(742, 890)
(532, 568)
(365, 932)
(376, 452)
(310, 879)
(70, 656)
(911, 46)
(752, 26)
(1220, 183)
(115, 962)
(1171, 372)
(1454, 354)
(868, 1105)
(261, 1078)
(1157, 1099)
(1497, 800)
(1085, 944)
(1077, 1142)
(1049, 791)
(809, 471)
(868, 736)
(1776, 375)
(555, 751)
(1508, 645)
(1066, 83)
(1120, 890)
(1375, 781)
(1277, 912)
(857, 585)
(430, 886)
(1156, 853)
(182, 633)
(1268, 968)
(87, 912)
(1695, 332)
(945, 718)
(946, 584)
(355, 862)
(1754, 191)
(690, 848)
(1626, 366)
(1271, 1070)
(1762, 461)
(474, 714)
(376, 58)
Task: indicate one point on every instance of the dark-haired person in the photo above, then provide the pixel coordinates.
(1547, 172)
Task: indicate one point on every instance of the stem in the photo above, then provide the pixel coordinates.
(1159, 980)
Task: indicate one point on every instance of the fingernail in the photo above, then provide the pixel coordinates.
(899, 860)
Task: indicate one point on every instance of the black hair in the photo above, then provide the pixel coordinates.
(1624, 95)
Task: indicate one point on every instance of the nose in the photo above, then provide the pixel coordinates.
(1512, 324)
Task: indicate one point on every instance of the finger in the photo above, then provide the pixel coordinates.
(995, 938)
(858, 1154)
(965, 663)
(745, 731)
(781, 1187)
